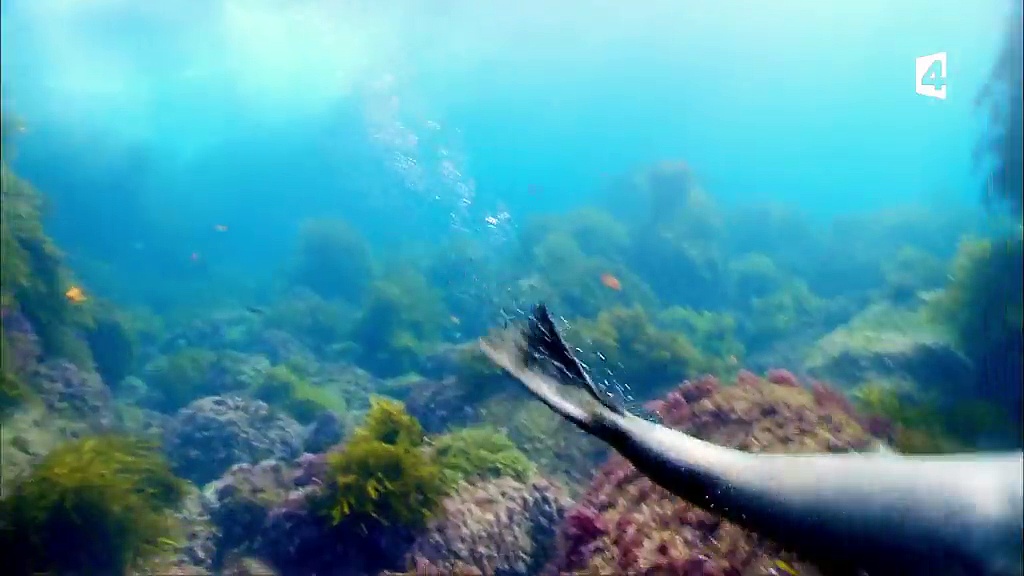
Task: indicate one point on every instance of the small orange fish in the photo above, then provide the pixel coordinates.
(611, 282)
(75, 295)
(220, 228)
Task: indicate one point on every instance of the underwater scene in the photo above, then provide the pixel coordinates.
(535, 288)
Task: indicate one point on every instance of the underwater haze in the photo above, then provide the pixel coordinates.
(259, 114)
(250, 246)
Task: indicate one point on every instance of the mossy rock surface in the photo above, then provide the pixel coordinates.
(889, 343)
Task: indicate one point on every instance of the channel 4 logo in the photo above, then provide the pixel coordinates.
(931, 75)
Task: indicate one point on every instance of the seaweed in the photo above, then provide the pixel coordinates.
(112, 346)
(98, 505)
(635, 351)
(384, 475)
(333, 260)
(480, 452)
(33, 277)
(182, 377)
(295, 395)
(400, 323)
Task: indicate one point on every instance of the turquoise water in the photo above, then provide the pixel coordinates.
(274, 231)
(171, 119)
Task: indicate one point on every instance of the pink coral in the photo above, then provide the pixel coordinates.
(782, 377)
(828, 396)
(626, 524)
(747, 378)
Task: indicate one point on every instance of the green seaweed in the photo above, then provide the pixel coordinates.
(182, 377)
(384, 475)
(33, 277)
(982, 305)
(318, 322)
(333, 260)
(982, 309)
(568, 279)
(293, 394)
(92, 506)
(626, 343)
(480, 452)
(923, 424)
(713, 333)
(112, 346)
(400, 323)
(910, 271)
(13, 391)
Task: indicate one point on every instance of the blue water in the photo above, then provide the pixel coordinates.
(420, 120)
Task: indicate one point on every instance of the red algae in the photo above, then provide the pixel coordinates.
(626, 524)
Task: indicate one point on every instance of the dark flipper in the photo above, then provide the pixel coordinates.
(545, 346)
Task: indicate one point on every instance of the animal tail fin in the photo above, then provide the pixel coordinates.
(545, 345)
(540, 359)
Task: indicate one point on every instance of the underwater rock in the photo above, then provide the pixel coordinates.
(327, 430)
(354, 384)
(238, 371)
(23, 347)
(501, 527)
(281, 347)
(195, 546)
(446, 360)
(247, 566)
(231, 329)
(300, 540)
(273, 511)
(626, 524)
(211, 434)
(239, 501)
(68, 390)
(884, 344)
(28, 435)
(439, 405)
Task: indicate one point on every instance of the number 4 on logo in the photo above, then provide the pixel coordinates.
(931, 75)
(935, 76)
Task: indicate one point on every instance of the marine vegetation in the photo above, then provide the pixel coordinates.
(480, 452)
(98, 505)
(982, 308)
(713, 333)
(626, 524)
(182, 377)
(112, 345)
(557, 448)
(924, 424)
(400, 322)
(911, 271)
(384, 474)
(629, 345)
(13, 391)
(316, 321)
(1000, 148)
(675, 229)
(304, 401)
(34, 278)
(563, 273)
(595, 232)
(333, 260)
